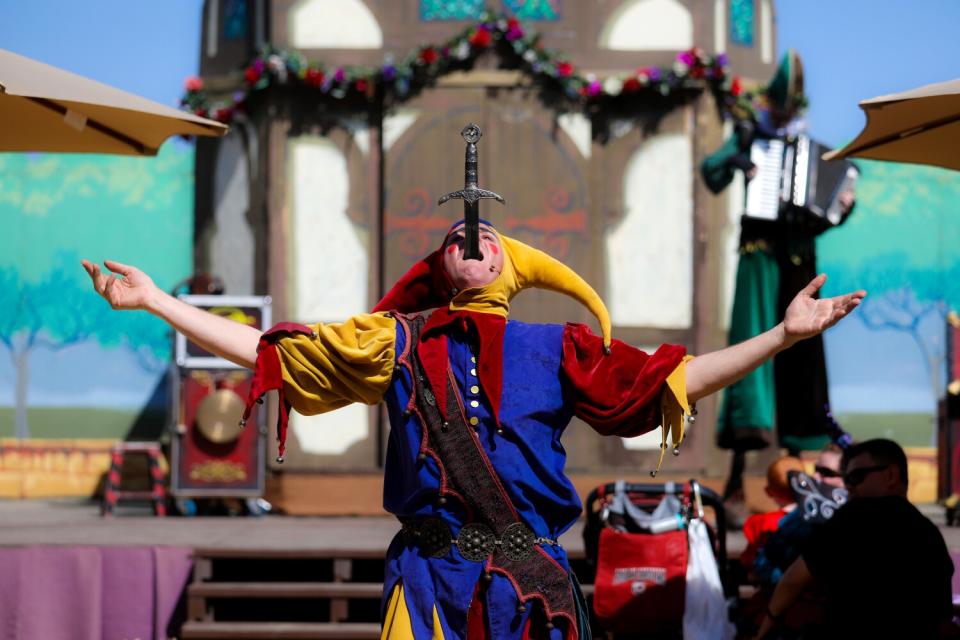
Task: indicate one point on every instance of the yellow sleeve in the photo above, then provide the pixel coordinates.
(674, 408)
(342, 363)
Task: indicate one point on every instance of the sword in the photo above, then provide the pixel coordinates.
(471, 194)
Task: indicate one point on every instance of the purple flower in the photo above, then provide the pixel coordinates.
(339, 75)
(239, 96)
(593, 88)
(722, 60)
(389, 72)
(258, 65)
(654, 74)
(514, 33)
(686, 58)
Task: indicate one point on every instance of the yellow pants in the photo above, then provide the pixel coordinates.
(396, 622)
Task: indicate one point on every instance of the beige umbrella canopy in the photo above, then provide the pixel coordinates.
(921, 126)
(43, 108)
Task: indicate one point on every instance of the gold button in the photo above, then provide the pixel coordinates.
(474, 389)
(473, 372)
(473, 359)
(474, 404)
(474, 420)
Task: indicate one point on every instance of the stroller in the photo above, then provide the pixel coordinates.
(641, 542)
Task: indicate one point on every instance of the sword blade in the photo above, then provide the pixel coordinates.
(471, 230)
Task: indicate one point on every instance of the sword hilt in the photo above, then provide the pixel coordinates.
(471, 194)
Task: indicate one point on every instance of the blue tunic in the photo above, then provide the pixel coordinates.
(528, 457)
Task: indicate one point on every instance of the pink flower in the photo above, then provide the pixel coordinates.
(193, 83)
(514, 30)
(686, 58)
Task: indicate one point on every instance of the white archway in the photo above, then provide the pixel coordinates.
(645, 25)
(334, 24)
(649, 254)
(330, 266)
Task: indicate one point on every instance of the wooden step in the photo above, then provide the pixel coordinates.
(278, 630)
(365, 590)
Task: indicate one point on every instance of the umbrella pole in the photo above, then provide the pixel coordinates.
(138, 147)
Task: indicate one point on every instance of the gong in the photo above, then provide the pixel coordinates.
(218, 416)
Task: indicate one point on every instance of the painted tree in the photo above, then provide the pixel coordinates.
(60, 310)
(908, 299)
(901, 245)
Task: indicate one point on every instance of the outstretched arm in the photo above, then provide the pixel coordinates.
(805, 317)
(133, 289)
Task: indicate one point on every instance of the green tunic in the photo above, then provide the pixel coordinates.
(791, 390)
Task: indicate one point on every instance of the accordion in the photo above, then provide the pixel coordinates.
(794, 184)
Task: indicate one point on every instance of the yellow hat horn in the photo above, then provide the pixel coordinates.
(533, 268)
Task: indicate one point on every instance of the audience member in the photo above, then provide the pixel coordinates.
(758, 527)
(882, 567)
(827, 467)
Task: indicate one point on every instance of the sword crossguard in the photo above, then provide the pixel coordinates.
(472, 195)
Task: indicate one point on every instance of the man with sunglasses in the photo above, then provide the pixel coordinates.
(882, 566)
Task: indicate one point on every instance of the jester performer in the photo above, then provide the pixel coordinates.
(777, 257)
(477, 404)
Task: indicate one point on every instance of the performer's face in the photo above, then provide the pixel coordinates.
(466, 274)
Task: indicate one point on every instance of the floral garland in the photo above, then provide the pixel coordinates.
(518, 47)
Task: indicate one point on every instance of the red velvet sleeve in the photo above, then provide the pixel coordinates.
(616, 394)
(267, 376)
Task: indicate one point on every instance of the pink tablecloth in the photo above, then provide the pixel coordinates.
(80, 593)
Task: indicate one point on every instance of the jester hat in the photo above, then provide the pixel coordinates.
(427, 286)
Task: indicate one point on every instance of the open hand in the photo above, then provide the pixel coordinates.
(126, 288)
(807, 316)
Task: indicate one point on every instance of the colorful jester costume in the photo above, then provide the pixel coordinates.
(477, 405)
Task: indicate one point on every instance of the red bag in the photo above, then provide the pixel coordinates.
(641, 580)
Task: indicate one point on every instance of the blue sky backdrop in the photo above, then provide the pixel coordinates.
(853, 49)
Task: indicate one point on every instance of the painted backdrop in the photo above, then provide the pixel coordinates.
(71, 369)
(887, 362)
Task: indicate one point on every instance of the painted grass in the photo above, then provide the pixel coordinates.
(61, 422)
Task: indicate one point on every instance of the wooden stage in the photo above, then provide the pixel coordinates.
(272, 576)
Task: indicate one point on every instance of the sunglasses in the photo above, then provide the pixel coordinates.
(855, 477)
(826, 472)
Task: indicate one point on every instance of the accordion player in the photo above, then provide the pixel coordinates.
(794, 185)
